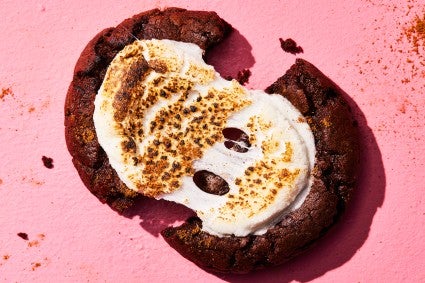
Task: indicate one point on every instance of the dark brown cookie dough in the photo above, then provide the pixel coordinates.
(336, 137)
(317, 97)
(202, 28)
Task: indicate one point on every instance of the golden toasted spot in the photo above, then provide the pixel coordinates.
(261, 194)
(87, 135)
(257, 123)
(129, 145)
(289, 151)
(158, 66)
(325, 122)
(200, 75)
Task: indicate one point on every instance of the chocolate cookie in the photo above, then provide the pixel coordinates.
(311, 92)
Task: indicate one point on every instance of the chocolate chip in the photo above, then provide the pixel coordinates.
(236, 140)
(23, 236)
(235, 146)
(210, 183)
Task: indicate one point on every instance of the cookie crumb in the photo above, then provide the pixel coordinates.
(48, 162)
(290, 46)
(6, 257)
(23, 236)
(243, 76)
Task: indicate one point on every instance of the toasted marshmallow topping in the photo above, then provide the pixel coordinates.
(161, 115)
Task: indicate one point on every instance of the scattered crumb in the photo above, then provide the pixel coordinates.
(48, 162)
(34, 243)
(243, 76)
(35, 265)
(45, 261)
(32, 181)
(23, 236)
(37, 183)
(6, 257)
(1, 181)
(405, 80)
(31, 109)
(290, 46)
(5, 92)
(406, 40)
(414, 33)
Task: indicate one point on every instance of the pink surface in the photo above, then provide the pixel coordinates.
(74, 238)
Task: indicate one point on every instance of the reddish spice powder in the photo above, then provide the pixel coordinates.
(416, 33)
(5, 91)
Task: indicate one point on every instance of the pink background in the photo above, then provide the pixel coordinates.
(74, 238)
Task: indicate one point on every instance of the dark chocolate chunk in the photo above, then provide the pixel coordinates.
(23, 236)
(47, 162)
(290, 46)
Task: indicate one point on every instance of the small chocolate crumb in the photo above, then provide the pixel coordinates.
(211, 183)
(48, 162)
(243, 76)
(290, 46)
(23, 236)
